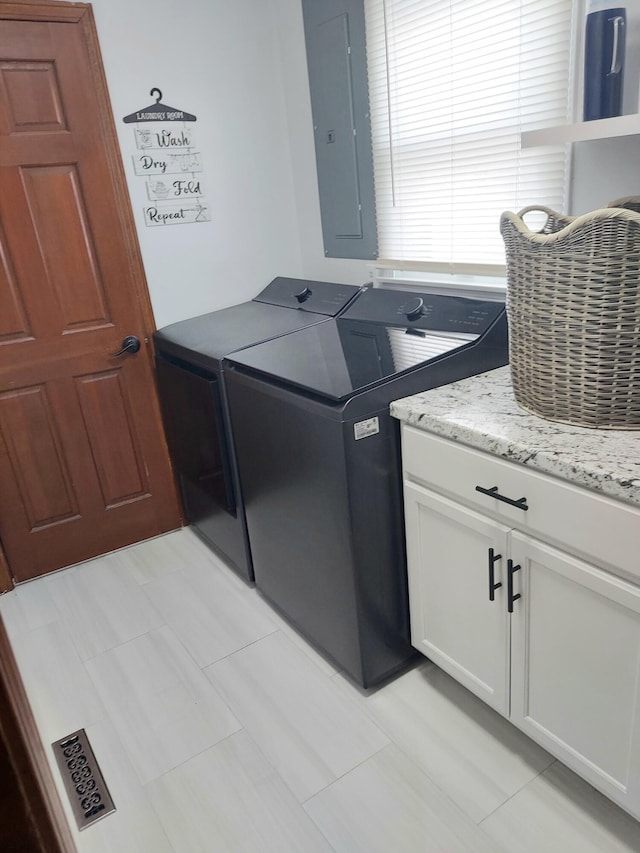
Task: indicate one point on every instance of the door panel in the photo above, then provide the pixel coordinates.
(576, 665)
(454, 622)
(14, 324)
(33, 445)
(57, 208)
(83, 461)
(32, 96)
(111, 432)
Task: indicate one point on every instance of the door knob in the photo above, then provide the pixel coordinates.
(129, 344)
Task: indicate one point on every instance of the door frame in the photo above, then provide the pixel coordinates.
(6, 581)
(28, 758)
(61, 11)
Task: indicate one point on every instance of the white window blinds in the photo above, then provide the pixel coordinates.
(452, 84)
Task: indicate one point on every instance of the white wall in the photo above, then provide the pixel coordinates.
(220, 60)
(604, 170)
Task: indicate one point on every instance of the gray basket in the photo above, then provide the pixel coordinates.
(630, 202)
(573, 305)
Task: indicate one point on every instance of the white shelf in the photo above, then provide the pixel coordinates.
(604, 128)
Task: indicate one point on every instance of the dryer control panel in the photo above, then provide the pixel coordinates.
(426, 311)
(319, 297)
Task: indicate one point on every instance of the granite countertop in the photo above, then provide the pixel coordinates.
(482, 412)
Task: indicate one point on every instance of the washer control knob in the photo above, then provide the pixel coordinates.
(415, 310)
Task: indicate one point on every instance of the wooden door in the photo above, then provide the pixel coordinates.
(454, 622)
(83, 462)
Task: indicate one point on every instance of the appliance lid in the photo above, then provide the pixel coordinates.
(319, 297)
(391, 333)
(210, 337)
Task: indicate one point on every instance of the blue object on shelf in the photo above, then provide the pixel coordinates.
(604, 63)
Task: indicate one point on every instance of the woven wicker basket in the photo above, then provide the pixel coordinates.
(573, 305)
(630, 202)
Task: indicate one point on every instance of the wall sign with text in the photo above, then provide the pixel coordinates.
(168, 157)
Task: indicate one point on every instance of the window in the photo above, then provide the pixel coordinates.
(452, 83)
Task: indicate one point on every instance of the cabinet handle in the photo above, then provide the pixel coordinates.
(511, 570)
(493, 559)
(521, 503)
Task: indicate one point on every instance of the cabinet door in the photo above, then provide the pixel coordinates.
(454, 622)
(576, 665)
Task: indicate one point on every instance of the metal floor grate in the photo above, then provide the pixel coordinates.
(83, 781)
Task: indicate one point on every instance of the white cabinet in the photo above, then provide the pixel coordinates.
(453, 620)
(564, 665)
(575, 646)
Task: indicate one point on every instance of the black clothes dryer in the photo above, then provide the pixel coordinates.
(319, 460)
(190, 360)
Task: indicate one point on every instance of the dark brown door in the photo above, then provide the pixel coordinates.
(83, 461)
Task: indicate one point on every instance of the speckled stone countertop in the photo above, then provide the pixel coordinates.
(482, 412)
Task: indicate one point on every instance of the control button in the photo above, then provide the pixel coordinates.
(415, 310)
(303, 295)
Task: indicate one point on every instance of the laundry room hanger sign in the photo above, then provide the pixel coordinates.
(158, 112)
(166, 155)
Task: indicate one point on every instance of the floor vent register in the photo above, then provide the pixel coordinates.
(83, 781)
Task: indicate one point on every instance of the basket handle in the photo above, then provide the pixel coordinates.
(537, 207)
(552, 217)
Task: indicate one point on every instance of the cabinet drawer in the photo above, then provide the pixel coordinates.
(602, 530)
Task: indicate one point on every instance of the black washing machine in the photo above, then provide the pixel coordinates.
(190, 360)
(319, 460)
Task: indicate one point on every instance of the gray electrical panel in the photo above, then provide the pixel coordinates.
(336, 57)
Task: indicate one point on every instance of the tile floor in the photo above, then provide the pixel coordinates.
(218, 728)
